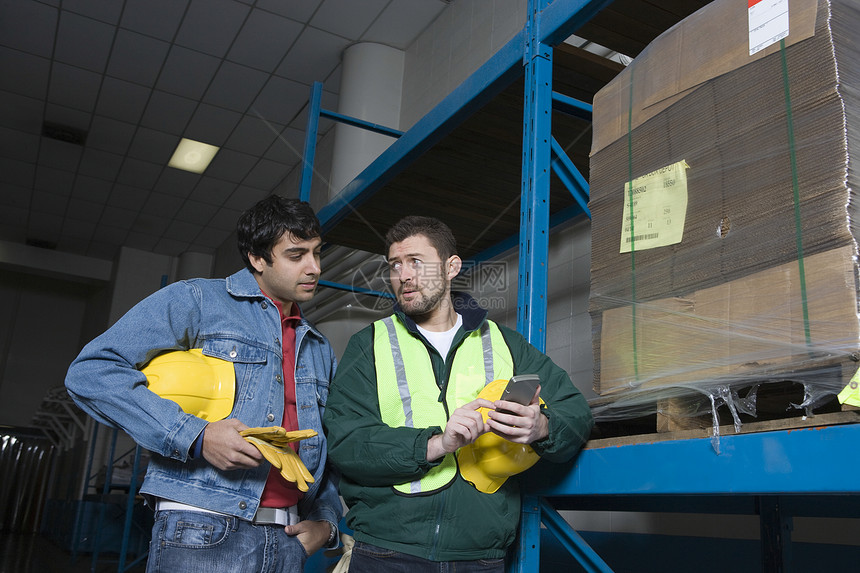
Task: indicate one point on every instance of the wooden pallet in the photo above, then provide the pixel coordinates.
(684, 415)
(849, 416)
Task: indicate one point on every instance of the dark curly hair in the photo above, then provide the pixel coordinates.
(437, 232)
(263, 225)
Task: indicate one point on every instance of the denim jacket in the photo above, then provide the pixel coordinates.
(229, 319)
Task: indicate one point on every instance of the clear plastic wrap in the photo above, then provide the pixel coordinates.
(763, 285)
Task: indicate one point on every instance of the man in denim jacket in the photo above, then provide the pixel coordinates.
(211, 489)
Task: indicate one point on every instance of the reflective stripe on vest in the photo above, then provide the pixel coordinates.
(405, 376)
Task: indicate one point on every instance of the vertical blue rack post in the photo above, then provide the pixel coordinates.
(311, 141)
(534, 239)
(538, 148)
(534, 201)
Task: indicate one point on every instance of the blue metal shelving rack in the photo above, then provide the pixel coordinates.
(774, 474)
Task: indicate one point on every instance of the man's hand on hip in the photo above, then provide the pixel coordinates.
(311, 534)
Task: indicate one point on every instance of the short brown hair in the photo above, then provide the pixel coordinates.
(437, 232)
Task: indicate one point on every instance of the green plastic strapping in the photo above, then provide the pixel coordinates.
(798, 231)
(632, 230)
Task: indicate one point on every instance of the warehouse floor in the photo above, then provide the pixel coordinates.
(32, 553)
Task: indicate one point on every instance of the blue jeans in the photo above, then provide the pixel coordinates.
(367, 558)
(198, 542)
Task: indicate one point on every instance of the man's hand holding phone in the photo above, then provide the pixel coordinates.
(517, 416)
(464, 427)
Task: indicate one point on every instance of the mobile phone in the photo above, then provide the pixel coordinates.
(520, 389)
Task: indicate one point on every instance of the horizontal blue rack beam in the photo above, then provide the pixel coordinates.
(818, 460)
(571, 106)
(355, 289)
(355, 122)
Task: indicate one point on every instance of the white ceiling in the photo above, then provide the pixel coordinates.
(136, 76)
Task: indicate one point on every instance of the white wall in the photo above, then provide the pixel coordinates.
(51, 305)
(227, 258)
(43, 319)
(456, 44)
(568, 339)
(138, 274)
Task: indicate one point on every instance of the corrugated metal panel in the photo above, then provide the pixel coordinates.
(25, 463)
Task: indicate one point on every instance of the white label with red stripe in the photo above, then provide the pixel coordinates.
(768, 21)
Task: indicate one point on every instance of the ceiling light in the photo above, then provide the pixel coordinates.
(192, 155)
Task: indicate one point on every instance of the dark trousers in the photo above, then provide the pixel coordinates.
(367, 558)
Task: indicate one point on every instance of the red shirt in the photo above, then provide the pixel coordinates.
(278, 491)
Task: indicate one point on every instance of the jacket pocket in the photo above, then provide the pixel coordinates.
(249, 363)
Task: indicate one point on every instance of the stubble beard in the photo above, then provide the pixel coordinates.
(427, 304)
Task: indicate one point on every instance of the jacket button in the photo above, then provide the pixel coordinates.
(270, 417)
(243, 505)
(265, 305)
(278, 377)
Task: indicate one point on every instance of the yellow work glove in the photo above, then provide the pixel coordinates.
(273, 443)
(278, 435)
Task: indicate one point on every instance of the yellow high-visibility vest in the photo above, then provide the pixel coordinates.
(404, 374)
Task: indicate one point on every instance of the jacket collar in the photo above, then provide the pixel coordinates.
(466, 306)
(242, 284)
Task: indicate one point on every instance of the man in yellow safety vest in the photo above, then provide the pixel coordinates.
(415, 425)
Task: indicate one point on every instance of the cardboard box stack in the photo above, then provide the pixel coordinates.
(724, 216)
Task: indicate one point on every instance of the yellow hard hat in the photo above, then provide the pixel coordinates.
(490, 460)
(202, 385)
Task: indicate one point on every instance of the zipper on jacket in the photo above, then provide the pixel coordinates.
(437, 528)
(447, 363)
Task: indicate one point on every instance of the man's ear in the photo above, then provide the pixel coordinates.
(454, 266)
(257, 262)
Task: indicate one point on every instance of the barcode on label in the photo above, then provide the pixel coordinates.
(642, 237)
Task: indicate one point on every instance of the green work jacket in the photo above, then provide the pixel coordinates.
(456, 522)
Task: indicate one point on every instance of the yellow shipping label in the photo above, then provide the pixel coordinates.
(655, 208)
(851, 393)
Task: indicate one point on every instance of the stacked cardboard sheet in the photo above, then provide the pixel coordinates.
(724, 215)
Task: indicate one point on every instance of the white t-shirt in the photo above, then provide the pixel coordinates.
(441, 341)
